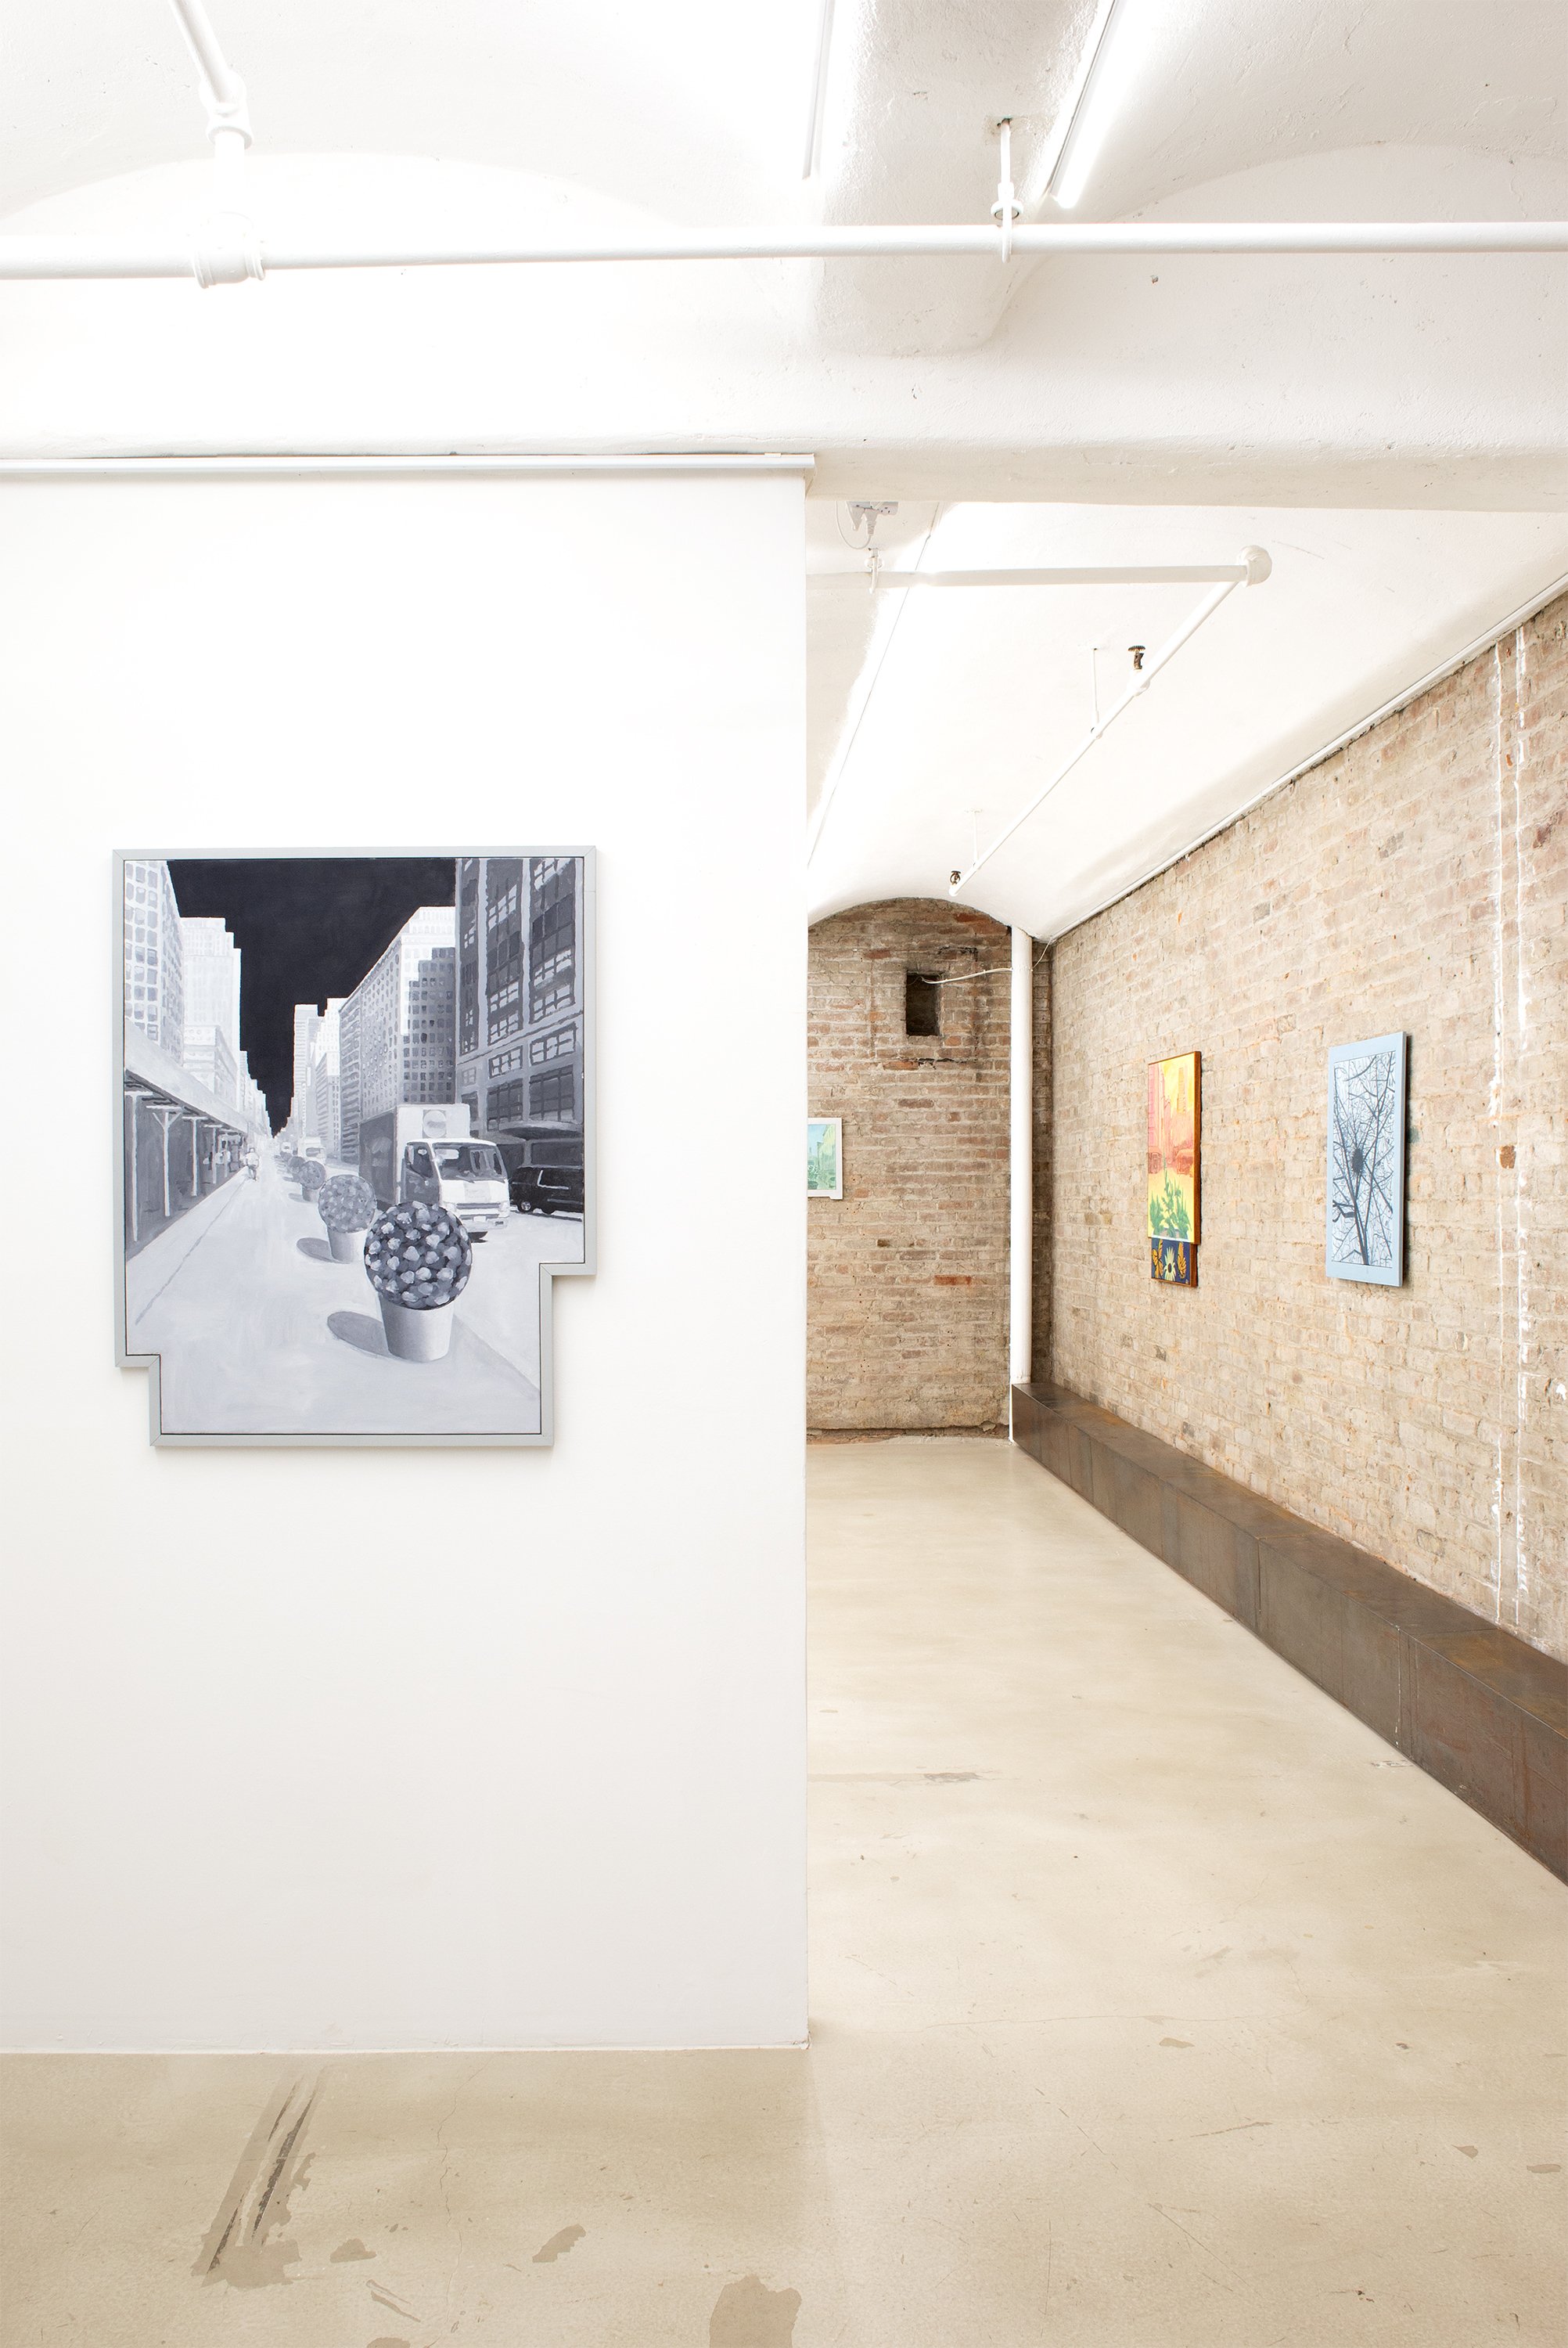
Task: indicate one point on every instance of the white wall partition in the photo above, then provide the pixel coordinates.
(395, 1748)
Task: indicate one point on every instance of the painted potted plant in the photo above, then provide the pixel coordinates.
(417, 1260)
(348, 1207)
(312, 1175)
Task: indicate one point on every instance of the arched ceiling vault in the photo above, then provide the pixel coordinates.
(1392, 430)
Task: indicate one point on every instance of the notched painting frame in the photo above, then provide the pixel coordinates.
(129, 1058)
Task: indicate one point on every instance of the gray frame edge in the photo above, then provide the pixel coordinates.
(150, 1364)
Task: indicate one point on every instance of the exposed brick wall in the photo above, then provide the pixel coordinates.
(1416, 881)
(908, 1272)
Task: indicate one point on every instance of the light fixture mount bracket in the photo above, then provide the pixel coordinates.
(1005, 210)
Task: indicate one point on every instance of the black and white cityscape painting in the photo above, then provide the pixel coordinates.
(1365, 1183)
(357, 1140)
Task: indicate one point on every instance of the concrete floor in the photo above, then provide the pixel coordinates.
(1158, 2005)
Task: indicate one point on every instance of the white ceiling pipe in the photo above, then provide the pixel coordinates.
(1096, 575)
(225, 249)
(66, 257)
(63, 257)
(1255, 568)
(408, 466)
(222, 88)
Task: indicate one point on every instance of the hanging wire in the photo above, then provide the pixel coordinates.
(997, 969)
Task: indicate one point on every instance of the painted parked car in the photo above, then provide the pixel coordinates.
(544, 1169)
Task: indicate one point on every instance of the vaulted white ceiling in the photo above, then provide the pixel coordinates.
(954, 708)
(1391, 428)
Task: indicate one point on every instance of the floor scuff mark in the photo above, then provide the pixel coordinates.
(558, 2245)
(750, 2315)
(394, 2306)
(901, 1777)
(244, 2245)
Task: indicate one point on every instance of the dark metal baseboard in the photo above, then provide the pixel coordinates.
(1478, 1709)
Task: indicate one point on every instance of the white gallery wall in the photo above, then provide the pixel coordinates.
(446, 1747)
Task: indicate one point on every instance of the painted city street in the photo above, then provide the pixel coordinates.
(354, 1094)
(261, 1332)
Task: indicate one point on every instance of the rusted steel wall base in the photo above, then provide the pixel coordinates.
(1478, 1709)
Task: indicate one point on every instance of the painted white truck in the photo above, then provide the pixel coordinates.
(424, 1154)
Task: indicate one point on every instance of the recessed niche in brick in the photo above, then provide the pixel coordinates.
(922, 1003)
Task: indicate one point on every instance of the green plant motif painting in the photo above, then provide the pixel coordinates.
(1168, 1216)
(825, 1158)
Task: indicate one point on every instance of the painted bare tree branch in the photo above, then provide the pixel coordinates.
(1362, 1204)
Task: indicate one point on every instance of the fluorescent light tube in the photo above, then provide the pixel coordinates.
(1098, 89)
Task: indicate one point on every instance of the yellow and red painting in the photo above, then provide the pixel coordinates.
(1173, 1138)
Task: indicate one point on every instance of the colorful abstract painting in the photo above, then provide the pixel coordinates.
(1174, 1138)
(1175, 1262)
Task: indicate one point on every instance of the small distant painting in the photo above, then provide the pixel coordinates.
(1174, 1138)
(825, 1158)
(1364, 1237)
(1175, 1262)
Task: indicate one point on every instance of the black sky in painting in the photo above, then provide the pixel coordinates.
(306, 927)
